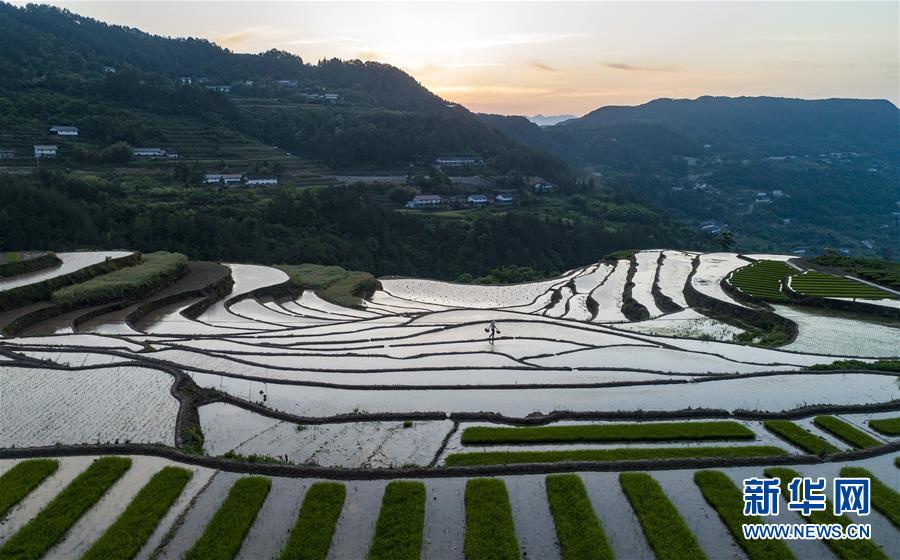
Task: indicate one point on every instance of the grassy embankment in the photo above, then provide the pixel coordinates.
(49, 526)
(398, 532)
(578, 530)
(223, 536)
(666, 531)
(12, 263)
(124, 538)
(332, 283)
(154, 272)
(19, 481)
(657, 431)
(721, 493)
(845, 549)
(490, 533)
(804, 439)
(877, 365)
(886, 426)
(845, 432)
(623, 454)
(884, 499)
(311, 536)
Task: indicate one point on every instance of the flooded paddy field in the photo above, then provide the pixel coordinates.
(301, 390)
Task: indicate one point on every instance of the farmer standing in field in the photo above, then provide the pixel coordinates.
(493, 330)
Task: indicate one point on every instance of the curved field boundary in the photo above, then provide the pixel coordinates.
(726, 312)
(39, 291)
(41, 262)
(211, 292)
(840, 304)
(339, 473)
(631, 308)
(663, 302)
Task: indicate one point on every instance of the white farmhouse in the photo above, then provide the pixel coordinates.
(44, 151)
(61, 130)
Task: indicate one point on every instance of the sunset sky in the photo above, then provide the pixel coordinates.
(556, 58)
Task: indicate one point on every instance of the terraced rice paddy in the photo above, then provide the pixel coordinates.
(762, 279)
(828, 285)
(436, 440)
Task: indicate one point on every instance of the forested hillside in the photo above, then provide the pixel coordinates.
(782, 174)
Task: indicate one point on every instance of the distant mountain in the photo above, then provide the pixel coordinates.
(550, 120)
(773, 125)
(785, 174)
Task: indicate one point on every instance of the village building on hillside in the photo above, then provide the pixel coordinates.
(288, 83)
(7, 153)
(503, 199)
(185, 80)
(457, 161)
(540, 185)
(150, 152)
(220, 89)
(424, 201)
(227, 179)
(477, 200)
(61, 130)
(44, 151)
(109, 69)
(258, 180)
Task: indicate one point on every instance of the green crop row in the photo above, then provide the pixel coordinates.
(620, 454)
(490, 533)
(846, 549)
(225, 533)
(666, 531)
(827, 285)
(398, 531)
(762, 279)
(884, 499)
(153, 272)
(578, 530)
(886, 426)
(722, 494)
(657, 431)
(19, 481)
(845, 432)
(49, 526)
(311, 536)
(804, 439)
(124, 538)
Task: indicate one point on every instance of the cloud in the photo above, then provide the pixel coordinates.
(541, 66)
(238, 37)
(634, 68)
(513, 39)
(322, 40)
(466, 65)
